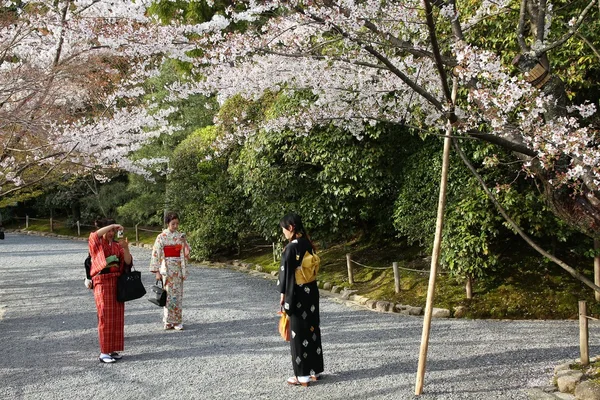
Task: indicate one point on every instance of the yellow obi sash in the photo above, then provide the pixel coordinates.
(307, 272)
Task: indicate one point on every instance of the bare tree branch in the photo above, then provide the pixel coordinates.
(406, 45)
(571, 31)
(521, 27)
(541, 21)
(41, 178)
(517, 229)
(438, 58)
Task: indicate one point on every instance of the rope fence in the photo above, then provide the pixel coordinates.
(395, 267)
(349, 260)
(53, 223)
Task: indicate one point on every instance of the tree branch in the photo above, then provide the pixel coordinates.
(384, 60)
(570, 32)
(504, 143)
(521, 27)
(40, 179)
(541, 21)
(406, 45)
(438, 59)
(517, 229)
(318, 57)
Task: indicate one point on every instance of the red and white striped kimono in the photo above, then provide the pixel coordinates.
(111, 313)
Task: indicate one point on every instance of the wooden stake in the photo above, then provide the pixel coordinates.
(435, 255)
(349, 264)
(469, 287)
(583, 334)
(396, 277)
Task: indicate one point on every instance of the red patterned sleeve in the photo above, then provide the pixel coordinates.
(97, 254)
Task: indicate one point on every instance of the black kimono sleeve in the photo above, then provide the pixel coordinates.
(287, 276)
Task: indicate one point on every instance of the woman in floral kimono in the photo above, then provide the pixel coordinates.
(110, 259)
(300, 300)
(169, 256)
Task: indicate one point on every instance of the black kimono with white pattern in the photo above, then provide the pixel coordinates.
(302, 305)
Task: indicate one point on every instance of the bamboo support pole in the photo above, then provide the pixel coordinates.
(597, 268)
(434, 263)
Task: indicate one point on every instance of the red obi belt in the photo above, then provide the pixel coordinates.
(173, 251)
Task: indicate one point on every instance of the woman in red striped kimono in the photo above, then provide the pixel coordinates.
(168, 263)
(110, 259)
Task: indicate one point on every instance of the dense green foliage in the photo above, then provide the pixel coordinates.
(380, 187)
(342, 185)
(200, 187)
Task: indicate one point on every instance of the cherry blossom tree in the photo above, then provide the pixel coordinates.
(363, 62)
(72, 76)
(70, 100)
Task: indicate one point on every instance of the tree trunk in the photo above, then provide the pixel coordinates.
(597, 267)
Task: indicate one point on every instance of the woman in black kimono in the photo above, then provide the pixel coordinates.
(300, 301)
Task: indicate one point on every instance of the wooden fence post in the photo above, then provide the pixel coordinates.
(51, 224)
(137, 236)
(274, 255)
(26, 221)
(469, 286)
(349, 263)
(583, 334)
(78, 229)
(396, 277)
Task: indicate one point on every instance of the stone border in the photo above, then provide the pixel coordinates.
(342, 294)
(569, 384)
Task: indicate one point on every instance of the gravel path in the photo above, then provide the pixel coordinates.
(230, 348)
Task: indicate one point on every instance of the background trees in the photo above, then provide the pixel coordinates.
(332, 109)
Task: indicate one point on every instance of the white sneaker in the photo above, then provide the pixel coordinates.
(178, 327)
(105, 358)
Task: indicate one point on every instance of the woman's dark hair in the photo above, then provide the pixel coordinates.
(295, 221)
(101, 223)
(170, 217)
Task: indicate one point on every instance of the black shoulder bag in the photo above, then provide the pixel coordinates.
(130, 286)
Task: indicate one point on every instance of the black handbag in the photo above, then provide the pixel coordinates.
(130, 286)
(158, 295)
